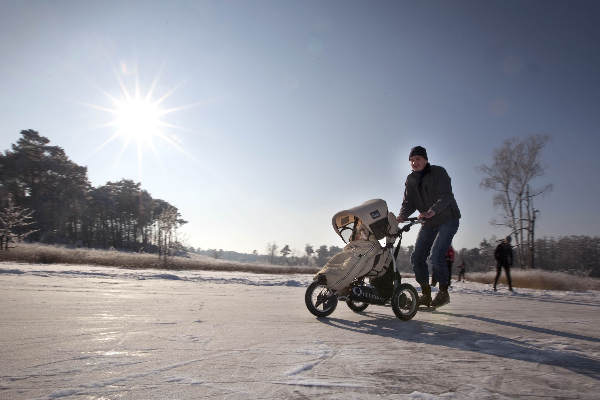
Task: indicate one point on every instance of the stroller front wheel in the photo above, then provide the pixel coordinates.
(405, 301)
(319, 300)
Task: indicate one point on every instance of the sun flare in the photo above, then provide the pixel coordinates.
(139, 119)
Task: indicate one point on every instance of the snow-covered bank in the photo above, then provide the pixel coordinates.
(93, 271)
(87, 332)
(38, 253)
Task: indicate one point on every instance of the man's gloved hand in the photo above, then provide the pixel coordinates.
(427, 214)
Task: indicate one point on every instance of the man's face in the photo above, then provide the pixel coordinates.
(417, 163)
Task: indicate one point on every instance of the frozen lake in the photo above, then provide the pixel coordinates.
(88, 332)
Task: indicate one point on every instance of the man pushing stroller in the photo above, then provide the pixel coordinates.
(429, 191)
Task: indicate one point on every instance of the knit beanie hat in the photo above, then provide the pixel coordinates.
(418, 151)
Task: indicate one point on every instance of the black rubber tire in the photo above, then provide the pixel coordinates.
(405, 301)
(357, 306)
(313, 293)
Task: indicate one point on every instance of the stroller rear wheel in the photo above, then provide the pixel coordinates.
(405, 301)
(319, 300)
(357, 306)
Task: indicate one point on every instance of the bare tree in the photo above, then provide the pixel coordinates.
(271, 249)
(14, 223)
(515, 165)
(309, 250)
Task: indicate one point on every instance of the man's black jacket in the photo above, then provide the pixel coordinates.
(430, 189)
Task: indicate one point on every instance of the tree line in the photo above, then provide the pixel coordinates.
(46, 197)
(39, 181)
(574, 254)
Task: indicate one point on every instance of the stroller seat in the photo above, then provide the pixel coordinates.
(361, 228)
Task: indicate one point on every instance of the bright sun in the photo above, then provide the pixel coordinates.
(138, 119)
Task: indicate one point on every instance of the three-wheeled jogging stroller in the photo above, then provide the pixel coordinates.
(365, 272)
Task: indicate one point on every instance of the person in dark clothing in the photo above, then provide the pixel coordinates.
(461, 271)
(428, 190)
(504, 258)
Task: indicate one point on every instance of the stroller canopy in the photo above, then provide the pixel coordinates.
(373, 214)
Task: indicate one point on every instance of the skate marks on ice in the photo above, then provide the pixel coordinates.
(518, 325)
(319, 353)
(429, 333)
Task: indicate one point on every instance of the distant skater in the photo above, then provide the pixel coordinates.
(461, 271)
(504, 258)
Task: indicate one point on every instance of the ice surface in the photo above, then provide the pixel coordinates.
(89, 332)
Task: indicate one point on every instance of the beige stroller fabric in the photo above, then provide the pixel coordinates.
(363, 256)
(355, 260)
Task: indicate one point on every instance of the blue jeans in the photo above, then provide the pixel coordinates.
(434, 241)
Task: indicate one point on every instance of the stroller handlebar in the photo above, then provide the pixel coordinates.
(401, 230)
(411, 222)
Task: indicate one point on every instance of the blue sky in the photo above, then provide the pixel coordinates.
(298, 109)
